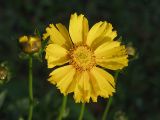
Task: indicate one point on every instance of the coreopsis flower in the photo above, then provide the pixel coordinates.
(30, 44)
(80, 56)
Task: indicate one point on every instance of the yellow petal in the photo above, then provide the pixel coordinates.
(85, 29)
(23, 39)
(56, 55)
(63, 77)
(101, 32)
(111, 55)
(105, 47)
(95, 32)
(82, 90)
(106, 75)
(73, 84)
(56, 36)
(94, 95)
(59, 73)
(78, 28)
(105, 88)
(114, 63)
(99, 41)
(109, 32)
(94, 89)
(62, 29)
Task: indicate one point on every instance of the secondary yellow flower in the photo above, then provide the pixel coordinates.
(81, 54)
(30, 44)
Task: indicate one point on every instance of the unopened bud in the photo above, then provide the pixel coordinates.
(30, 44)
(3, 73)
(119, 115)
(131, 50)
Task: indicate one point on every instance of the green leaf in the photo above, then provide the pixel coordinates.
(2, 97)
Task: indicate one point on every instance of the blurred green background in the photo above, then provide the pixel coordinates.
(138, 87)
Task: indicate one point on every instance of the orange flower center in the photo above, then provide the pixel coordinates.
(82, 58)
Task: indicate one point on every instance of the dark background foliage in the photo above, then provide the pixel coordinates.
(137, 21)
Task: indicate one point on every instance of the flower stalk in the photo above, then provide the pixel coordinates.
(30, 112)
(109, 100)
(107, 108)
(82, 111)
(63, 107)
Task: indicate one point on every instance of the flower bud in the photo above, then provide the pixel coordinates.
(30, 44)
(3, 73)
(131, 50)
(119, 115)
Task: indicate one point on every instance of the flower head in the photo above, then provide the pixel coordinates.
(81, 54)
(30, 44)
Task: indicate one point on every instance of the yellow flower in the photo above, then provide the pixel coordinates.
(30, 44)
(81, 54)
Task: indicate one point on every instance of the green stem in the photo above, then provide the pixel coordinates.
(82, 111)
(110, 99)
(30, 112)
(107, 108)
(63, 107)
(116, 75)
